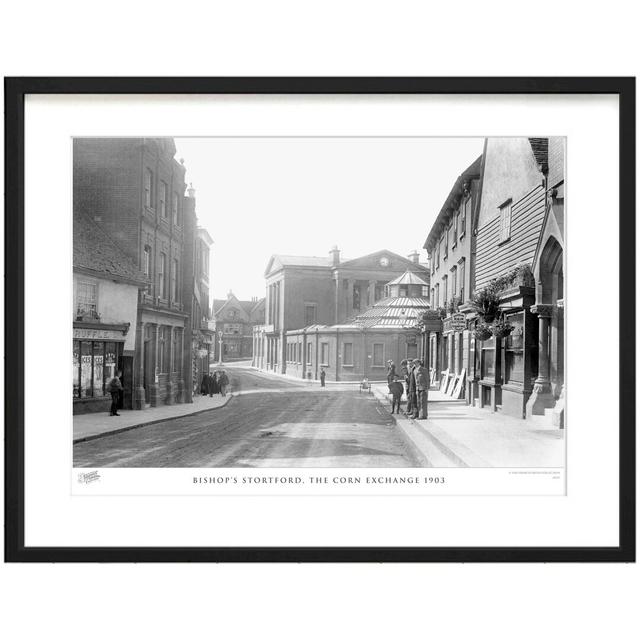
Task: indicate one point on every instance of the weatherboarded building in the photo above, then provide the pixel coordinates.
(519, 255)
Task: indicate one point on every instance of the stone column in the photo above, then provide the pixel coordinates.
(139, 394)
(542, 397)
(372, 293)
(154, 389)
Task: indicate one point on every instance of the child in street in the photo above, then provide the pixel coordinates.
(396, 389)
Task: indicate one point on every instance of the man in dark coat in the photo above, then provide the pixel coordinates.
(396, 389)
(411, 389)
(421, 376)
(115, 387)
(323, 375)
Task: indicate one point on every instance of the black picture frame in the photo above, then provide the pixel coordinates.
(15, 91)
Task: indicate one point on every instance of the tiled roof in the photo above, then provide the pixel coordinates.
(540, 148)
(409, 277)
(94, 250)
(392, 312)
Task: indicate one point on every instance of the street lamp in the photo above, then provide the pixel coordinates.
(220, 347)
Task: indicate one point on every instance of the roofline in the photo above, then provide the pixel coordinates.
(435, 227)
(105, 275)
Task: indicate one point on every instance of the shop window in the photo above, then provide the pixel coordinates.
(94, 365)
(514, 351)
(87, 299)
(378, 355)
(324, 354)
(488, 359)
(347, 354)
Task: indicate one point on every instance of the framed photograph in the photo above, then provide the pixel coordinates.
(320, 319)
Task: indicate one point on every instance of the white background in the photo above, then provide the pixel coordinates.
(587, 516)
(331, 38)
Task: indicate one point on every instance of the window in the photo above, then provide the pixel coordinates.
(163, 199)
(463, 217)
(309, 314)
(234, 328)
(438, 256)
(87, 299)
(445, 292)
(454, 227)
(347, 354)
(177, 359)
(161, 350)
(175, 213)
(146, 260)
(148, 188)
(378, 292)
(94, 365)
(454, 282)
(505, 221)
(324, 353)
(309, 353)
(446, 242)
(174, 281)
(162, 279)
(437, 298)
(514, 351)
(378, 355)
(461, 268)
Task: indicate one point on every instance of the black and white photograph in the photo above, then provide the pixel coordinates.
(319, 302)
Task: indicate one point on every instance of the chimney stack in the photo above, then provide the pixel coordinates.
(335, 256)
(191, 192)
(414, 256)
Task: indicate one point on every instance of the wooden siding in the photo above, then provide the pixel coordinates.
(494, 259)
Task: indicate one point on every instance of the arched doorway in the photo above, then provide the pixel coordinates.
(551, 282)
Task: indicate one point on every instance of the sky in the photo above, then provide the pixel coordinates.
(301, 196)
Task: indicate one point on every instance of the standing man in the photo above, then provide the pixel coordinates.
(411, 389)
(422, 390)
(323, 375)
(115, 387)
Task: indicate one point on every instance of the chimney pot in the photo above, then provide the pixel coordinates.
(414, 256)
(335, 255)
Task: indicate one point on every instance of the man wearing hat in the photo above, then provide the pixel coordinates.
(421, 376)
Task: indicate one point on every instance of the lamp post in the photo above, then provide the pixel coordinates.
(220, 347)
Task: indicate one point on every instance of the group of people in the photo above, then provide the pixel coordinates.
(416, 386)
(215, 382)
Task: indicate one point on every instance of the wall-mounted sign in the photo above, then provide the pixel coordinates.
(458, 322)
(97, 334)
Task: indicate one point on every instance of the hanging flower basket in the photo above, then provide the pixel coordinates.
(501, 329)
(482, 332)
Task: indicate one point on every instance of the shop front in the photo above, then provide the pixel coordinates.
(98, 355)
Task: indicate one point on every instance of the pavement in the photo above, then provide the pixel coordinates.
(458, 435)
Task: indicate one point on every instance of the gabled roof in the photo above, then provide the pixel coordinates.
(409, 277)
(414, 266)
(472, 171)
(279, 261)
(94, 251)
(246, 306)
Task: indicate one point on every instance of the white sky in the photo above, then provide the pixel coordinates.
(301, 196)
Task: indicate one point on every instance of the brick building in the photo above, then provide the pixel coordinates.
(236, 320)
(361, 347)
(307, 291)
(133, 189)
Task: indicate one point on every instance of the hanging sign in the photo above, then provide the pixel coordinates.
(431, 320)
(458, 322)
